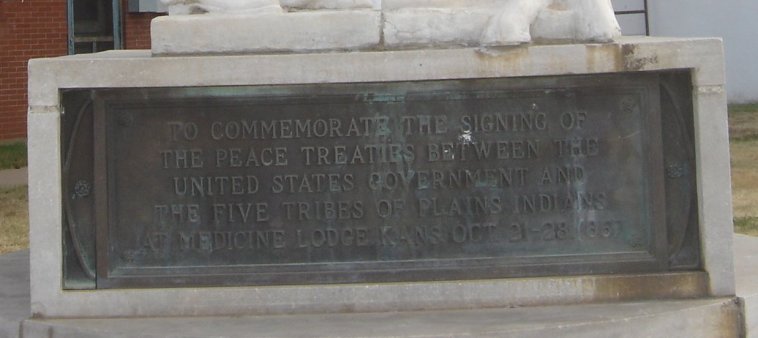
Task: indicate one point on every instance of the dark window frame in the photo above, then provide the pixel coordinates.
(111, 38)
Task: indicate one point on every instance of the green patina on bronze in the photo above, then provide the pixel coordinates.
(379, 182)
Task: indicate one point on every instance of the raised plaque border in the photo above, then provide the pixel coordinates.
(388, 271)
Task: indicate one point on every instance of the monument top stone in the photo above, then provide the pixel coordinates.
(194, 26)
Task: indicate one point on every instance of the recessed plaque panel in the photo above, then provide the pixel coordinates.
(378, 182)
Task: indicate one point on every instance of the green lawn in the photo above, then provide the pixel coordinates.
(743, 134)
(13, 156)
(14, 218)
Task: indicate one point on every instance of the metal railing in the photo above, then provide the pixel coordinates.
(643, 11)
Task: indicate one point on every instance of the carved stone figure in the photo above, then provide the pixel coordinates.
(507, 21)
(588, 20)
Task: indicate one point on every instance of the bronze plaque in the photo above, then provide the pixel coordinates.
(377, 182)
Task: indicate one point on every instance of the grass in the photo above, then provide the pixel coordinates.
(13, 156)
(743, 135)
(746, 225)
(14, 219)
(743, 108)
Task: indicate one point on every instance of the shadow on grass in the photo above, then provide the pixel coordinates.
(746, 225)
(13, 156)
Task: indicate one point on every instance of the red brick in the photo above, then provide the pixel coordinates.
(32, 28)
(38, 28)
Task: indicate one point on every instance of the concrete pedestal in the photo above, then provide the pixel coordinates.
(703, 58)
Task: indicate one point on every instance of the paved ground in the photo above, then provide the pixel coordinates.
(14, 272)
(14, 292)
(746, 268)
(13, 177)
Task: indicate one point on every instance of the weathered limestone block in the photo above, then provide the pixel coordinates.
(183, 7)
(420, 27)
(326, 4)
(236, 34)
(408, 23)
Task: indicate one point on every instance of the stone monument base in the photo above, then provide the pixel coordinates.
(678, 283)
(706, 279)
(306, 31)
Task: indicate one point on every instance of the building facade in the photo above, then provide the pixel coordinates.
(43, 28)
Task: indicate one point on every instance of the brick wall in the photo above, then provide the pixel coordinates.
(38, 28)
(136, 28)
(28, 29)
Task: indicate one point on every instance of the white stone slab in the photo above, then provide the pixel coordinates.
(237, 27)
(473, 26)
(714, 180)
(435, 26)
(45, 218)
(327, 4)
(136, 68)
(397, 4)
(398, 25)
(266, 32)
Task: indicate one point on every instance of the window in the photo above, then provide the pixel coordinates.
(93, 26)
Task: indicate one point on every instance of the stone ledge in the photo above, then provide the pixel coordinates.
(691, 318)
(14, 292)
(266, 33)
(348, 30)
(137, 68)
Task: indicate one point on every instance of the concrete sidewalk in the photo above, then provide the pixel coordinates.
(746, 269)
(14, 292)
(13, 177)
